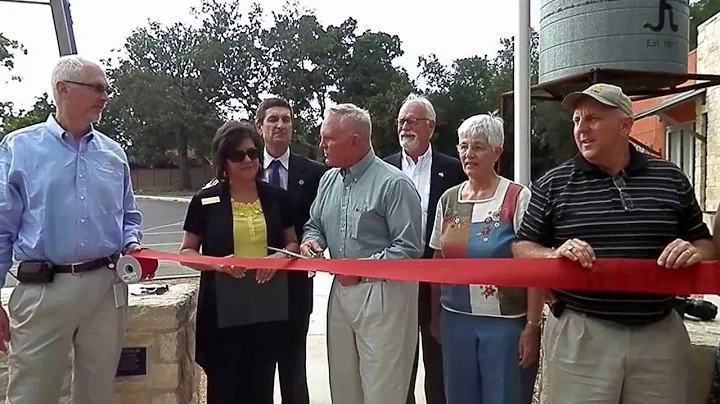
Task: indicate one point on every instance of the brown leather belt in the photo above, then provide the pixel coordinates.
(87, 266)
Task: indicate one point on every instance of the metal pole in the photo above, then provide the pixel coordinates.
(63, 27)
(521, 95)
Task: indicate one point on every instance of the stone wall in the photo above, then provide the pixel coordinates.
(708, 118)
(164, 325)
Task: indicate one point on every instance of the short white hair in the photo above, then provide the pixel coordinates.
(419, 99)
(485, 127)
(351, 113)
(69, 68)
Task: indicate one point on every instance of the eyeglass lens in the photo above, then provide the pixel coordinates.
(239, 155)
(627, 202)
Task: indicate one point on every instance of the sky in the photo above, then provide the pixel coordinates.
(456, 29)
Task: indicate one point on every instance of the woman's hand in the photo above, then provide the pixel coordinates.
(232, 270)
(191, 247)
(264, 275)
(529, 345)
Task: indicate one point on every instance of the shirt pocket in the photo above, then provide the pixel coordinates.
(107, 174)
(355, 217)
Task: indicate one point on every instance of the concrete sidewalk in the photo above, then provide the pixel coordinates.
(317, 367)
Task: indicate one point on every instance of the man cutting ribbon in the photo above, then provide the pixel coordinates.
(611, 201)
(366, 209)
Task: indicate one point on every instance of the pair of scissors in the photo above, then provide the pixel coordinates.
(290, 253)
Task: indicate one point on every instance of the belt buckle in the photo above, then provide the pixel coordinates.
(73, 266)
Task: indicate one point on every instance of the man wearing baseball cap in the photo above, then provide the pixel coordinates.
(611, 201)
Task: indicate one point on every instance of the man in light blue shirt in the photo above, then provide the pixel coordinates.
(366, 209)
(67, 211)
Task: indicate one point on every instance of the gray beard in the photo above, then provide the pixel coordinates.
(409, 145)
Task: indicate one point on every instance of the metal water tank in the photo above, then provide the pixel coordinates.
(577, 36)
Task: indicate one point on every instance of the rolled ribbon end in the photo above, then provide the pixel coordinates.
(133, 270)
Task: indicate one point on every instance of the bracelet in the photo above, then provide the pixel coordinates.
(534, 323)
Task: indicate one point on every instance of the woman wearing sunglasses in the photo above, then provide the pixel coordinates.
(240, 311)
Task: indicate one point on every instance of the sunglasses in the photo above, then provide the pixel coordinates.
(238, 156)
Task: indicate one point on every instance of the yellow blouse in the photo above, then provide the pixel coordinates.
(249, 230)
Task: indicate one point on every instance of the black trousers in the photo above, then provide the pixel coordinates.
(432, 358)
(292, 370)
(244, 372)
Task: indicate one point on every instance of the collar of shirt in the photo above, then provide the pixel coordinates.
(284, 159)
(356, 171)
(638, 161)
(409, 161)
(54, 127)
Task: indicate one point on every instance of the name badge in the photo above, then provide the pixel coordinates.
(210, 201)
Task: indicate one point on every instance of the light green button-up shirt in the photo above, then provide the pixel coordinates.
(371, 210)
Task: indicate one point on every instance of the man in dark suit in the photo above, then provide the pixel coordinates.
(300, 176)
(432, 173)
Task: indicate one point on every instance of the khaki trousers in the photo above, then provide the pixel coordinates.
(77, 311)
(372, 335)
(595, 361)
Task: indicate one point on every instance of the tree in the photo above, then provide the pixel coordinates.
(550, 124)
(8, 48)
(458, 92)
(9, 118)
(175, 84)
(168, 96)
(312, 65)
(368, 78)
(233, 56)
(701, 11)
(13, 120)
(304, 64)
(475, 85)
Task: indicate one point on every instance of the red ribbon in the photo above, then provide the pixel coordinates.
(607, 274)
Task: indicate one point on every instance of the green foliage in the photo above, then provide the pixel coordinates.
(168, 97)
(475, 85)
(313, 65)
(8, 48)
(701, 11)
(175, 84)
(11, 120)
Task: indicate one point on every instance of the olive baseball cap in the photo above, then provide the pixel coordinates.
(607, 94)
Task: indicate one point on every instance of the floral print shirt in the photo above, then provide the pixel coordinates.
(481, 229)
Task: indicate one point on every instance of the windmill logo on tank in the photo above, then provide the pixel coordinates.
(663, 8)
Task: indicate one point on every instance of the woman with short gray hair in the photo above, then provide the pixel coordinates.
(490, 334)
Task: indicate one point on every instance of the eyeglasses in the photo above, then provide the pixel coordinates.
(627, 202)
(410, 121)
(238, 156)
(98, 88)
(475, 149)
